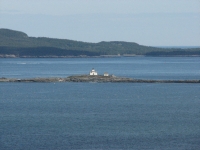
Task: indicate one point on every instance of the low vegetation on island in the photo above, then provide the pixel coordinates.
(96, 78)
(19, 44)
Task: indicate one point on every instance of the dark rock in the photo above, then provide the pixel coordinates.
(99, 78)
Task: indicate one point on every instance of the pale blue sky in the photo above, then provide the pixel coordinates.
(147, 22)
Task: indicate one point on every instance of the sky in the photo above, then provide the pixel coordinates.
(146, 22)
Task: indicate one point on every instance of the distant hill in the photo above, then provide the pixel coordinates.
(19, 44)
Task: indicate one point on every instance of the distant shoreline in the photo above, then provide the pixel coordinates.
(17, 44)
(101, 56)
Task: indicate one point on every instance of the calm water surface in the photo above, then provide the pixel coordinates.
(100, 115)
(135, 67)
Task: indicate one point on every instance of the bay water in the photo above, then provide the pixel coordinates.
(100, 115)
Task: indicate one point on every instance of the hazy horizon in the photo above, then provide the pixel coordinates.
(161, 46)
(151, 23)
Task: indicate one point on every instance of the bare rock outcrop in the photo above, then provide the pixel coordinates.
(97, 78)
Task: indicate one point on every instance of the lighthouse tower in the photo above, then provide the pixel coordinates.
(93, 72)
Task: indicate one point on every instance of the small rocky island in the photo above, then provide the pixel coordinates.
(94, 77)
(97, 78)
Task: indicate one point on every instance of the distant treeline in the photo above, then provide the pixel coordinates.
(21, 45)
(192, 52)
(44, 51)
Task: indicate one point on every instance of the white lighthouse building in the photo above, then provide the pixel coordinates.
(93, 72)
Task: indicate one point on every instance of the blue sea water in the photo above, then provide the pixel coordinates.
(135, 67)
(100, 115)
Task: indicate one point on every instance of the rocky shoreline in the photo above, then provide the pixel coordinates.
(98, 78)
(85, 56)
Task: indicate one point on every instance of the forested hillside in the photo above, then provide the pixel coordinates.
(19, 44)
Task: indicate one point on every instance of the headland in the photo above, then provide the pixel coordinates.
(17, 44)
